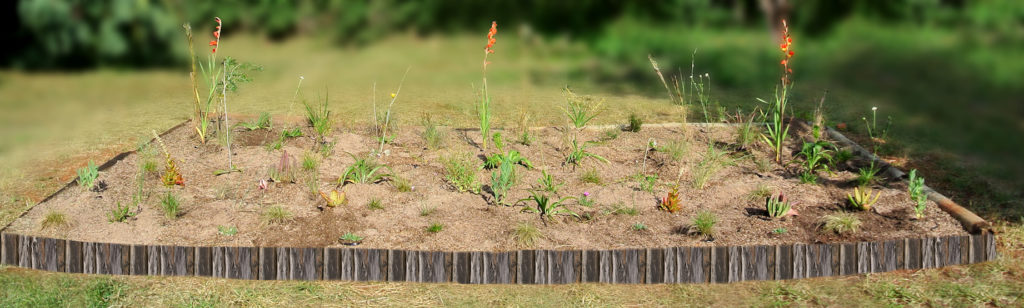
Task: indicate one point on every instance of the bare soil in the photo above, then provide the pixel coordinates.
(471, 221)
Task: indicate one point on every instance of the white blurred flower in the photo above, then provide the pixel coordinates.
(707, 75)
(874, 108)
(302, 77)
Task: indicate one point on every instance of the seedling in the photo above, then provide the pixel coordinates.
(777, 206)
(647, 182)
(169, 204)
(817, 157)
(512, 157)
(591, 176)
(120, 213)
(639, 226)
(87, 175)
(579, 152)
(585, 200)
(704, 223)
(671, 201)
(915, 186)
(227, 230)
(547, 183)
(635, 123)
(861, 199)
(319, 117)
(276, 215)
(548, 208)
(501, 181)
(581, 109)
(435, 227)
(54, 219)
(867, 176)
(374, 204)
(350, 239)
(363, 170)
(841, 223)
(780, 231)
(262, 122)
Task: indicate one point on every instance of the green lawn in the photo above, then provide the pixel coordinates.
(54, 122)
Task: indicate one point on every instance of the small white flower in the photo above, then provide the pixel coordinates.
(874, 108)
(707, 75)
(691, 76)
(302, 77)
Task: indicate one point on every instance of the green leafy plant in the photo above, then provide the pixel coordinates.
(87, 175)
(647, 182)
(867, 176)
(310, 162)
(610, 134)
(777, 206)
(585, 200)
(276, 215)
(841, 223)
(746, 132)
(502, 181)
(581, 109)
(334, 197)
(169, 204)
(915, 186)
(374, 204)
(591, 176)
(350, 237)
(363, 170)
(435, 227)
(676, 149)
(817, 157)
(513, 157)
(319, 117)
(401, 184)
(635, 123)
(120, 213)
(548, 208)
(861, 199)
(712, 162)
(638, 226)
(201, 118)
(578, 153)
(54, 219)
(547, 183)
(777, 129)
(262, 122)
(779, 231)
(704, 223)
(460, 173)
(526, 234)
(227, 230)
(285, 135)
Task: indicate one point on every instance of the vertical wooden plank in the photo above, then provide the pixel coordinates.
(541, 270)
(462, 267)
(953, 244)
(396, 265)
(283, 259)
(990, 246)
(241, 262)
(184, 264)
(864, 257)
(50, 254)
(591, 266)
(655, 266)
(153, 260)
(755, 262)
(103, 259)
(412, 266)
(9, 255)
(367, 263)
(562, 266)
(627, 266)
(75, 263)
(480, 267)
(941, 252)
(25, 251)
(116, 259)
(877, 257)
(847, 259)
(977, 249)
(139, 265)
(607, 267)
(770, 267)
(166, 260)
(928, 258)
(501, 268)
(819, 260)
(295, 264)
(735, 263)
(268, 263)
(348, 264)
(204, 261)
(314, 260)
(669, 269)
(60, 254)
(525, 268)
(899, 254)
(36, 251)
(965, 249)
(332, 263)
(720, 264)
(783, 262)
(799, 261)
(914, 254)
(233, 262)
(436, 266)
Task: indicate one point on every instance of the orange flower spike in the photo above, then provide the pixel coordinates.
(216, 35)
(490, 37)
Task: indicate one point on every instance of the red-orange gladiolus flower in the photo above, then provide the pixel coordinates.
(490, 37)
(216, 35)
(787, 52)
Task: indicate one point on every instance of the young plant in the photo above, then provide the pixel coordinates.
(171, 174)
(635, 123)
(526, 234)
(484, 108)
(745, 132)
(547, 183)
(310, 162)
(334, 198)
(169, 204)
(285, 135)
(460, 173)
(227, 230)
(120, 213)
(548, 208)
(877, 136)
(374, 204)
(502, 181)
(432, 135)
(817, 157)
(676, 149)
(427, 210)
(523, 129)
(841, 223)
(915, 186)
(591, 176)
(87, 175)
(54, 219)
(319, 117)
(350, 237)
(578, 153)
(284, 172)
(262, 122)
(704, 223)
(647, 182)
(585, 200)
(639, 226)
(276, 215)
(670, 202)
(401, 184)
(435, 227)
(713, 161)
(861, 199)
(581, 109)
(867, 176)
(777, 206)
(513, 157)
(387, 116)
(234, 74)
(203, 110)
(777, 129)
(363, 170)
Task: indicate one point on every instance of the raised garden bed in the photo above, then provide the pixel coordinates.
(393, 219)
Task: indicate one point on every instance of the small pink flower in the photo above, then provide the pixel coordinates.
(263, 184)
(586, 194)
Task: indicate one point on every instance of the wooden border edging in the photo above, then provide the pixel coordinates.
(720, 264)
